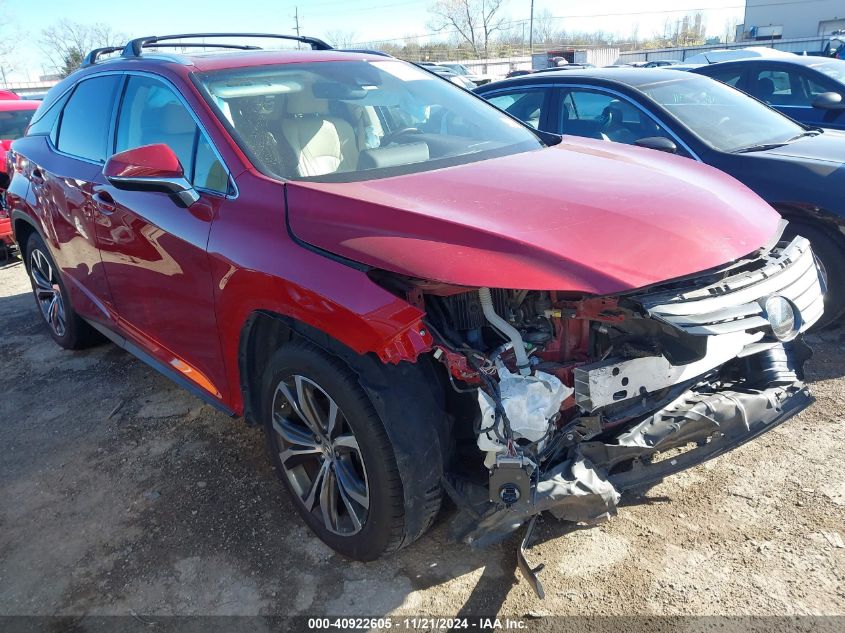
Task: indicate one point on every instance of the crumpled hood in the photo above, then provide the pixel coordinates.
(585, 216)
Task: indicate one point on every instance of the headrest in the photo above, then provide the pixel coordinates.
(766, 85)
(304, 102)
(612, 114)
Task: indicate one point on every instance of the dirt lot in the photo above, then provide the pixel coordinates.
(168, 507)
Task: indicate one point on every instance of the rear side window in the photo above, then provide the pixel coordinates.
(84, 126)
(46, 123)
(152, 113)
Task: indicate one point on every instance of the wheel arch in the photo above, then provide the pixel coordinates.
(420, 434)
(811, 215)
(23, 227)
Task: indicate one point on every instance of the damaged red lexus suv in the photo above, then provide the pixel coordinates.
(405, 288)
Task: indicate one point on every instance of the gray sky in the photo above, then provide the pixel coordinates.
(370, 20)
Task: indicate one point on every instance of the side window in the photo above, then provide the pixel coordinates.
(730, 76)
(152, 113)
(526, 105)
(84, 126)
(46, 122)
(209, 172)
(599, 115)
(814, 86)
(778, 87)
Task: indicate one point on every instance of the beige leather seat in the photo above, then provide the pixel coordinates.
(321, 143)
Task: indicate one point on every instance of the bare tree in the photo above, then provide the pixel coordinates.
(474, 21)
(8, 60)
(341, 39)
(65, 43)
(544, 28)
(730, 29)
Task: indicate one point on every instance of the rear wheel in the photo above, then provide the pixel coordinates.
(66, 327)
(332, 452)
(832, 257)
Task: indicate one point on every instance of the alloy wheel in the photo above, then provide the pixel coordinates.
(48, 293)
(320, 455)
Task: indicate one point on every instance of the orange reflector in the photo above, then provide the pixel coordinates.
(195, 376)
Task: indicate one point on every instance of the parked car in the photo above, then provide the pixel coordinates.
(799, 170)
(450, 75)
(808, 89)
(660, 63)
(14, 117)
(564, 67)
(729, 54)
(460, 69)
(405, 287)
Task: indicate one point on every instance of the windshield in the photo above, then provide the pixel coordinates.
(357, 120)
(833, 69)
(13, 123)
(722, 117)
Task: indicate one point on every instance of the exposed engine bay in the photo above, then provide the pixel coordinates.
(562, 403)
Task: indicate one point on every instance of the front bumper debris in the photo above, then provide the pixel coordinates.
(585, 484)
(682, 373)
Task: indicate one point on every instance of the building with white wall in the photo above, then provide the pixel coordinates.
(768, 19)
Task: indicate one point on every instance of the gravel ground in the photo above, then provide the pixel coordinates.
(120, 493)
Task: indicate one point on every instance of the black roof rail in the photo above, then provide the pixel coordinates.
(91, 58)
(241, 47)
(134, 47)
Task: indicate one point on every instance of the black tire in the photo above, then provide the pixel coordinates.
(384, 528)
(75, 333)
(831, 254)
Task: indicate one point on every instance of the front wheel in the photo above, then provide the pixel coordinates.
(332, 452)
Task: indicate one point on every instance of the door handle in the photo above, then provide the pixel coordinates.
(104, 202)
(36, 176)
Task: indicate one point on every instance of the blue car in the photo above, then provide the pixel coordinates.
(798, 169)
(808, 89)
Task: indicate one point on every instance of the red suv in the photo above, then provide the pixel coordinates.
(413, 292)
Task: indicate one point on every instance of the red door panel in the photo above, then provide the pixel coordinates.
(154, 254)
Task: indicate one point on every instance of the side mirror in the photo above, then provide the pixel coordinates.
(660, 143)
(151, 168)
(829, 101)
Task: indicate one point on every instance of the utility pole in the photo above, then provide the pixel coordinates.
(531, 31)
(296, 23)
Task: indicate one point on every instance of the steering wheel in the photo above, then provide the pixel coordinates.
(392, 136)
